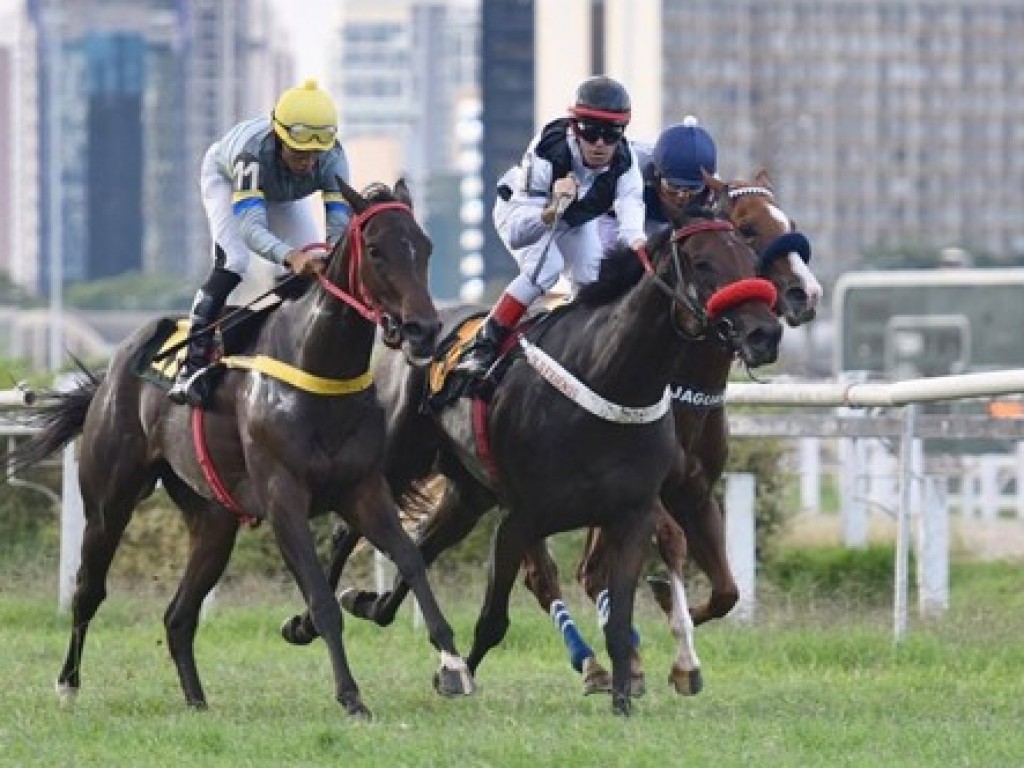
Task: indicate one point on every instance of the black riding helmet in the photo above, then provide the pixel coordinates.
(601, 98)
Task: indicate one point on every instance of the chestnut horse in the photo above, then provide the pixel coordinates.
(293, 430)
(702, 433)
(564, 454)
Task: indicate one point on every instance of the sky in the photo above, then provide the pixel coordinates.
(307, 23)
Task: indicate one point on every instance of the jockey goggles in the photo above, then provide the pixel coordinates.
(682, 189)
(590, 131)
(304, 134)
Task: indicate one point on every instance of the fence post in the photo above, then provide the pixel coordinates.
(72, 529)
(903, 524)
(741, 540)
(810, 475)
(853, 499)
(933, 549)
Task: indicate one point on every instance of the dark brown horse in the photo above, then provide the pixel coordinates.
(580, 433)
(294, 430)
(702, 433)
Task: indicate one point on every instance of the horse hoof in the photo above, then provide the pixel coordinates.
(637, 685)
(621, 705)
(451, 681)
(355, 708)
(595, 677)
(686, 682)
(297, 632)
(66, 694)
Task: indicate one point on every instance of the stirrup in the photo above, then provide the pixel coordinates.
(190, 388)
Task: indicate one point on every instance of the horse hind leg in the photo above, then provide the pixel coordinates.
(457, 508)
(541, 578)
(212, 532)
(108, 507)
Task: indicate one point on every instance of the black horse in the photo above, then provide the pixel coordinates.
(294, 430)
(584, 441)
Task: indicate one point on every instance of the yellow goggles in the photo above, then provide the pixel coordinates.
(304, 134)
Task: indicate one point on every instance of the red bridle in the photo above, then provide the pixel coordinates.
(362, 301)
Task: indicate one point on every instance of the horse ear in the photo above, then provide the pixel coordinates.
(762, 179)
(402, 193)
(353, 198)
(720, 192)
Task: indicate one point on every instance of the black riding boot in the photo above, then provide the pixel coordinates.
(483, 350)
(192, 385)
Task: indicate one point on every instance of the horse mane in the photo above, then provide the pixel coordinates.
(378, 192)
(621, 270)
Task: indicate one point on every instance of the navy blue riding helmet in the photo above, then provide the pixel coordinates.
(682, 151)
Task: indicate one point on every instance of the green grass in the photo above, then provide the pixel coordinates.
(808, 686)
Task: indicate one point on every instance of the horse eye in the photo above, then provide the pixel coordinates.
(748, 231)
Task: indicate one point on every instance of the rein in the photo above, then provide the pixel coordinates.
(362, 303)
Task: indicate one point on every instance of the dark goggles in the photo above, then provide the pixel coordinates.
(590, 131)
(682, 189)
(304, 134)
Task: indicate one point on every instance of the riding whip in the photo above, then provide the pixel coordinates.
(223, 321)
(563, 202)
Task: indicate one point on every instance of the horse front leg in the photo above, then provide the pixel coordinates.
(288, 505)
(541, 578)
(626, 543)
(507, 548)
(694, 507)
(684, 676)
(374, 514)
(299, 629)
(592, 573)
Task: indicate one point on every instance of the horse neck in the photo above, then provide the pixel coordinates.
(325, 336)
(633, 345)
(703, 363)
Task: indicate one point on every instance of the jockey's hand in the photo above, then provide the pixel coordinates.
(306, 263)
(640, 242)
(563, 192)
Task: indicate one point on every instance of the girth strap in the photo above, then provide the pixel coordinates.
(220, 491)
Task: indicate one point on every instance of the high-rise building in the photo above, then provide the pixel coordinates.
(19, 146)
(508, 79)
(403, 70)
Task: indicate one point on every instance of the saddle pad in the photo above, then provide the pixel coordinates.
(453, 349)
(162, 372)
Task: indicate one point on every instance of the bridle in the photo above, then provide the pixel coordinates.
(792, 241)
(360, 299)
(710, 315)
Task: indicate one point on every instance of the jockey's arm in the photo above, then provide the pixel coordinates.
(629, 206)
(520, 217)
(251, 214)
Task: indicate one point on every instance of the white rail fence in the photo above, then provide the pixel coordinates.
(918, 497)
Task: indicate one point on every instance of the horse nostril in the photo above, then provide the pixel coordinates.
(421, 332)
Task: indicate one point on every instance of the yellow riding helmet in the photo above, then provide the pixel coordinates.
(305, 118)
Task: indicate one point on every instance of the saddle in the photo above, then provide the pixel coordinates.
(163, 353)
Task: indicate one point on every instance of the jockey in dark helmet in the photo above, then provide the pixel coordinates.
(575, 170)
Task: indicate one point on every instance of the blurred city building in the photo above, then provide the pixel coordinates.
(882, 122)
(19, 146)
(403, 72)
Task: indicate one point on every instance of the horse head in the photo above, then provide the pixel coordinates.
(717, 291)
(383, 264)
(784, 251)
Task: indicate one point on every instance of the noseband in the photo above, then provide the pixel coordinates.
(360, 299)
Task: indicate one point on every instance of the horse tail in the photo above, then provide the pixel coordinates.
(60, 417)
